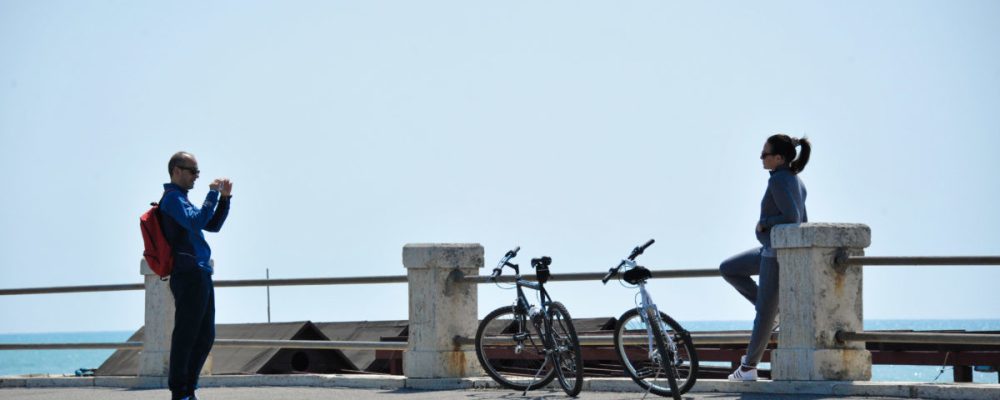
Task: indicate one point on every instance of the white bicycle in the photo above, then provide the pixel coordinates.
(655, 350)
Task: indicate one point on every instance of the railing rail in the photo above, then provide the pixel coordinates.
(352, 280)
(608, 340)
(72, 289)
(349, 280)
(481, 279)
(980, 339)
(71, 346)
(585, 340)
(915, 261)
(594, 276)
(243, 343)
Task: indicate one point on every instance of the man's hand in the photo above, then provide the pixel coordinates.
(226, 188)
(222, 185)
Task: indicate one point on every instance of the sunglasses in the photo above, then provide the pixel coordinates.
(194, 171)
(765, 154)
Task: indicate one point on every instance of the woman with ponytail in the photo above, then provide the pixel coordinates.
(784, 203)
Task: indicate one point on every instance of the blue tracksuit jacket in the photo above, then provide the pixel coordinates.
(186, 222)
(784, 203)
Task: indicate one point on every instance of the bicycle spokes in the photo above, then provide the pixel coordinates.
(644, 360)
(510, 353)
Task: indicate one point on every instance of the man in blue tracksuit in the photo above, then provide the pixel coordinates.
(191, 279)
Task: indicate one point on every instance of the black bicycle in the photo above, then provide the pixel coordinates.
(655, 350)
(524, 347)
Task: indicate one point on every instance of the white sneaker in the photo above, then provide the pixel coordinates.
(743, 376)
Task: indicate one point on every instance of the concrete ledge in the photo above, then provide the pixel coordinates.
(335, 380)
(912, 390)
(812, 234)
(440, 383)
(45, 382)
(12, 382)
(442, 255)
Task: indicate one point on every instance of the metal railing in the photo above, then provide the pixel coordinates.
(980, 339)
(608, 340)
(595, 276)
(917, 337)
(844, 259)
(243, 343)
(323, 344)
(71, 346)
(350, 280)
(290, 344)
(720, 338)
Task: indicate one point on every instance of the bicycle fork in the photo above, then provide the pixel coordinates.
(650, 314)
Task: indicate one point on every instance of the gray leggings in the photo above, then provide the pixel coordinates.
(737, 271)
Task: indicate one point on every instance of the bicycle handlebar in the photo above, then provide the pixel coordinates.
(635, 253)
(512, 253)
(639, 250)
(505, 262)
(611, 273)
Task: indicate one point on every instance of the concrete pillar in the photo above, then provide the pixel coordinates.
(441, 308)
(154, 359)
(817, 298)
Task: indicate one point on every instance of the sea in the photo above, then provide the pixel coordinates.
(73, 362)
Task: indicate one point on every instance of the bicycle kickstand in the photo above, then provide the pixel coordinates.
(544, 363)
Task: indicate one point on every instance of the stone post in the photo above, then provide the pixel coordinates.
(816, 299)
(441, 308)
(154, 359)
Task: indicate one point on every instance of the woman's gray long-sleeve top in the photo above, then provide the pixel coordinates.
(783, 203)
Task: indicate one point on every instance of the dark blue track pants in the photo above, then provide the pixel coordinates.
(737, 270)
(194, 327)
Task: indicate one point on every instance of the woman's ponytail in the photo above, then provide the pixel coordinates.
(785, 145)
(800, 162)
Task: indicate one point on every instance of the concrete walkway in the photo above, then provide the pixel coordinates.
(308, 393)
(388, 386)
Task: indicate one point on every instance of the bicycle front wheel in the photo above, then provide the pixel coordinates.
(565, 346)
(511, 353)
(652, 368)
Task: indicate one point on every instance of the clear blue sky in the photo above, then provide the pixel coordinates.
(573, 129)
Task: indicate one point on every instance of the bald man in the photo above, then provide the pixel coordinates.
(191, 279)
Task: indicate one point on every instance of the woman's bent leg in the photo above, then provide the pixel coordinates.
(738, 269)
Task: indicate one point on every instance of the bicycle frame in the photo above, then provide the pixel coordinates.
(522, 306)
(521, 312)
(649, 310)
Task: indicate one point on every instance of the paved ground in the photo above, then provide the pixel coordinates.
(307, 393)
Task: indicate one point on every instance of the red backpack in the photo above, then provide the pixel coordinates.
(157, 251)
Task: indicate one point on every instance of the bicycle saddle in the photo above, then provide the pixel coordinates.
(541, 266)
(636, 275)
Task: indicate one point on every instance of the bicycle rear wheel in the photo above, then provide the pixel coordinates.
(649, 369)
(567, 354)
(511, 353)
